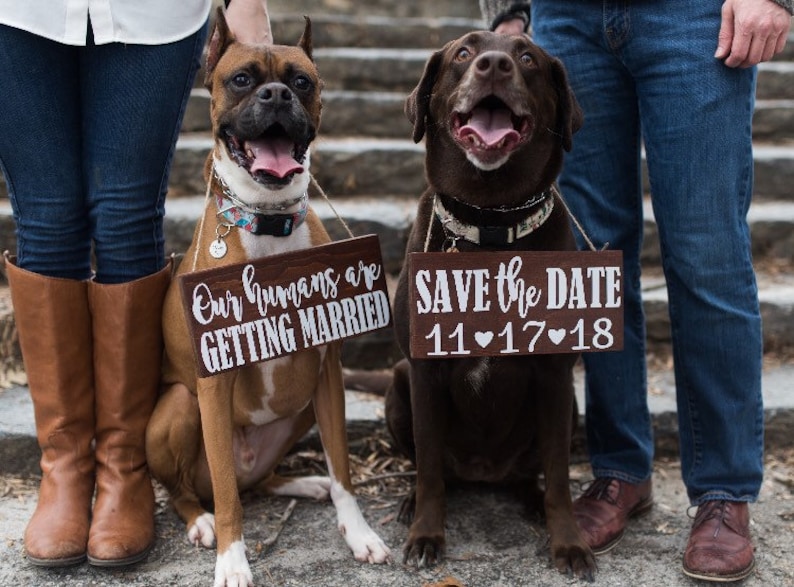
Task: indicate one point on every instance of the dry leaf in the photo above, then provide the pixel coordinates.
(447, 582)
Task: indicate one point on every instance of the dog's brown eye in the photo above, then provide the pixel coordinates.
(302, 83)
(241, 80)
(526, 59)
(463, 54)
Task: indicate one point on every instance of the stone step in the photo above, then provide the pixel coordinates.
(349, 166)
(287, 10)
(390, 217)
(773, 121)
(775, 80)
(345, 30)
(399, 69)
(343, 166)
(380, 114)
(345, 113)
(385, 8)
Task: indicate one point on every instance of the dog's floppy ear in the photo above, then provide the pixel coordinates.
(418, 102)
(569, 117)
(305, 42)
(220, 39)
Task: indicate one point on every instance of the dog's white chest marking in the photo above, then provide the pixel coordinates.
(270, 385)
(478, 374)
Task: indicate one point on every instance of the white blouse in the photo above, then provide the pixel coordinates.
(143, 22)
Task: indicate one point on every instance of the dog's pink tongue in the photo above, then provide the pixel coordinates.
(491, 126)
(273, 157)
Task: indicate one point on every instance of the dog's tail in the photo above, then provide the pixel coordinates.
(374, 382)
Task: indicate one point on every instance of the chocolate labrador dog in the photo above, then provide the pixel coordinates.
(497, 113)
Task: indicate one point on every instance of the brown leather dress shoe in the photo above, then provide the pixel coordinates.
(719, 547)
(603, 510)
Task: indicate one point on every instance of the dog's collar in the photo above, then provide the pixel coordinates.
(495, 235)
(255, 219)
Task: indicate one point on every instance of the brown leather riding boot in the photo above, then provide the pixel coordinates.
(604, 509)
(719, 547)
(128, 347)
(54, 328)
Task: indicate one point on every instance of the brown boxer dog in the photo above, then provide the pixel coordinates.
(210, 438)
(497, 113)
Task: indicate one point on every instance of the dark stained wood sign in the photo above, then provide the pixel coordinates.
(503, 303)
(250, 312)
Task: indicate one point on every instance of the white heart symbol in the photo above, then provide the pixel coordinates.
(483, 338)
(556, 335)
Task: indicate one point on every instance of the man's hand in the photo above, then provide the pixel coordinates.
(752, 31)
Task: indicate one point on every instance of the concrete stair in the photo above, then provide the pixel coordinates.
(372, 172)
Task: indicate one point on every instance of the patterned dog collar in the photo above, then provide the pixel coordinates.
(492, 235)
(237, 213)
(262, 224)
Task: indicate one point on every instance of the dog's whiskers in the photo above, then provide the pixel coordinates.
(553, 132)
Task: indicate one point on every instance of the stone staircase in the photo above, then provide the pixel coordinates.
(372, 172)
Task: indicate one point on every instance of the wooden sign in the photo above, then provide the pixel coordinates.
(503, 303)
(250, 312)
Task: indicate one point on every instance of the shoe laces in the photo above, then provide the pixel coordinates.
(709, 511)
(599, 490)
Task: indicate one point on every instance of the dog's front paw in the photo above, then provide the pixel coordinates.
(425, 551)
(366, 545)
(576, 559)
(231, 568)
(202, 531)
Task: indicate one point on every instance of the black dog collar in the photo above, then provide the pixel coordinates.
(494, 235)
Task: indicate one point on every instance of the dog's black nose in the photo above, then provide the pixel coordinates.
(274, 93)
(493, 63)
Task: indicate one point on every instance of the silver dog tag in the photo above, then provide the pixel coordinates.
(218, 248)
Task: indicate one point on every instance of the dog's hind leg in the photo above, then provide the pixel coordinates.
(173, 450)
(399, 421)
(397, 403)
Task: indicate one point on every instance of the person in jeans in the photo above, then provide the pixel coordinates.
(678, 77)
(92, 96)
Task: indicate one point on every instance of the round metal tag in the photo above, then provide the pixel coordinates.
(218, 248)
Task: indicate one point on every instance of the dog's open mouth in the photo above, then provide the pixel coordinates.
(273, 157)
(491, 130)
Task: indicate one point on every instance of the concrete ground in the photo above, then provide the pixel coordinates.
(491, 539)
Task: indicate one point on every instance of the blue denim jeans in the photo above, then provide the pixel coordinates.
(644, 72)
(86, 140)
